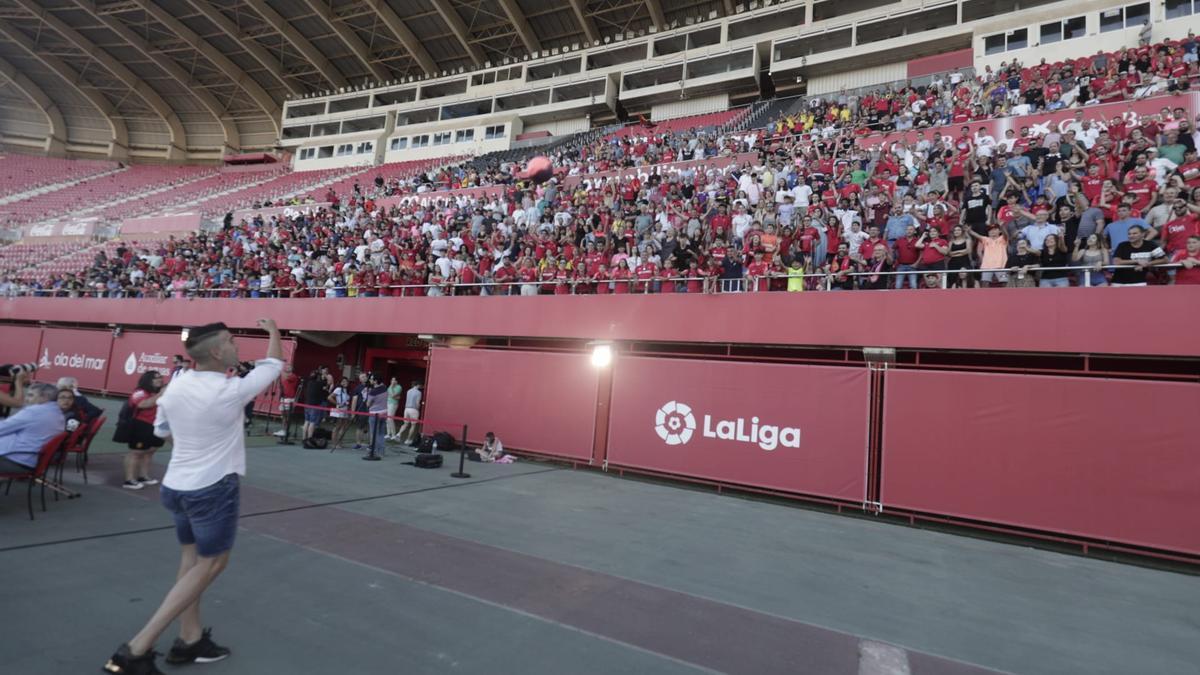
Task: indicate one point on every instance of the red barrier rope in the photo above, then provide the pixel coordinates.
(381, 416)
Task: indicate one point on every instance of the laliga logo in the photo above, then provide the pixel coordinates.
(674, 423)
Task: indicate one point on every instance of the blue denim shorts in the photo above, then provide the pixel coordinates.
(313, 415)
(207, 517)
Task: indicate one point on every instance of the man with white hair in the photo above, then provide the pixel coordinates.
(90, 410)
(23, 435)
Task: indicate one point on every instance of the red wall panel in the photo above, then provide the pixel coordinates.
(134, 353)
(20, 344)
(1098, 458)
(82, 354)
(663, 411)
(940, 63)
(539, 401)
(1074, 320)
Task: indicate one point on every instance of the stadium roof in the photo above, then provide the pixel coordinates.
(202, 75)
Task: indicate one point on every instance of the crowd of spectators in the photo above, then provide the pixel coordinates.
(824, 205)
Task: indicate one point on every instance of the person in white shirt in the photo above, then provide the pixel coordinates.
(491, 450)
(203, 412)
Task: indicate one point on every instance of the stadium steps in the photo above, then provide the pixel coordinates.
(45, 189)
(145, 193)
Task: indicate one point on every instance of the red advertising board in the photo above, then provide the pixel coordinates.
(82, 354)
(1109, 459)
(135, 353)
(791, 428)
(19, 344)
(172, 222)
(538, 401)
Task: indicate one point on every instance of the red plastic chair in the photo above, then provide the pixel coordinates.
(46, 455)
(78, 444)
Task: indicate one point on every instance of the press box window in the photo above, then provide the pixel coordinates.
(497, 131)
(399, 143)
(464, 135)
(442, 138)
(1067, 29)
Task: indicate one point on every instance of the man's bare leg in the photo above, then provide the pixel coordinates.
(183, 597)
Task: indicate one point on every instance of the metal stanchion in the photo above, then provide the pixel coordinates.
(462, 457)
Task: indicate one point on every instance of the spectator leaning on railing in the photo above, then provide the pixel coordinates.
(820, 182)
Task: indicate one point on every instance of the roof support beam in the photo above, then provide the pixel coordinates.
(301, 43)
(656, 13)
(118, 145)
(231, 70)
(517, 18)
(168, 65)
(404, 35)
(350, 39)
(56, 138)
(177, 145)
(455, 22)
(254, 47)
(585, 21)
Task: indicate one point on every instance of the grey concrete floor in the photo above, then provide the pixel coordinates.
(537, 568)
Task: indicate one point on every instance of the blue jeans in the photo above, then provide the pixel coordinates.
(378, 434)
(206, 517)
(912, 278)
(1062, 282)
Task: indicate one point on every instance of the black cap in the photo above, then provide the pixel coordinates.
(198, 333)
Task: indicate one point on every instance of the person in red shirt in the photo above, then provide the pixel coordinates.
(906, 255)
(1189, 274)
(695, 277)
(933, 251)
(1091, 184)
(601, 278)
(646, 273)
(547, 276)
(289, 382)
(527, 274)
(1142, 187)
(1182, 225)
(563, 279)
(466, 280)
(756, 273)
(620, 277)
(503, 278)
(142, 442)
(1190, 169)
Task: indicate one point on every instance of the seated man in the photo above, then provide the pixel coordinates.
(23, 435)
(492, 449)
(83, 410)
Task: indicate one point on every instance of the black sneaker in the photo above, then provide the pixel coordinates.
(203, 650)
(128, 664)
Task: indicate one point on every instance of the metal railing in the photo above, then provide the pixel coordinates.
(825, 281)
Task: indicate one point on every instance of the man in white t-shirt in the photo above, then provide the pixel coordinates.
(202, 411)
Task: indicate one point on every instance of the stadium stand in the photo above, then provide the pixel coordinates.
(818, 207)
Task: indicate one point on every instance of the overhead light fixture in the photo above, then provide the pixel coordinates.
(183, 334)
(602, 354)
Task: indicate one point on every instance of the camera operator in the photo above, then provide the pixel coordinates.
(242, 369)
(21, 375)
